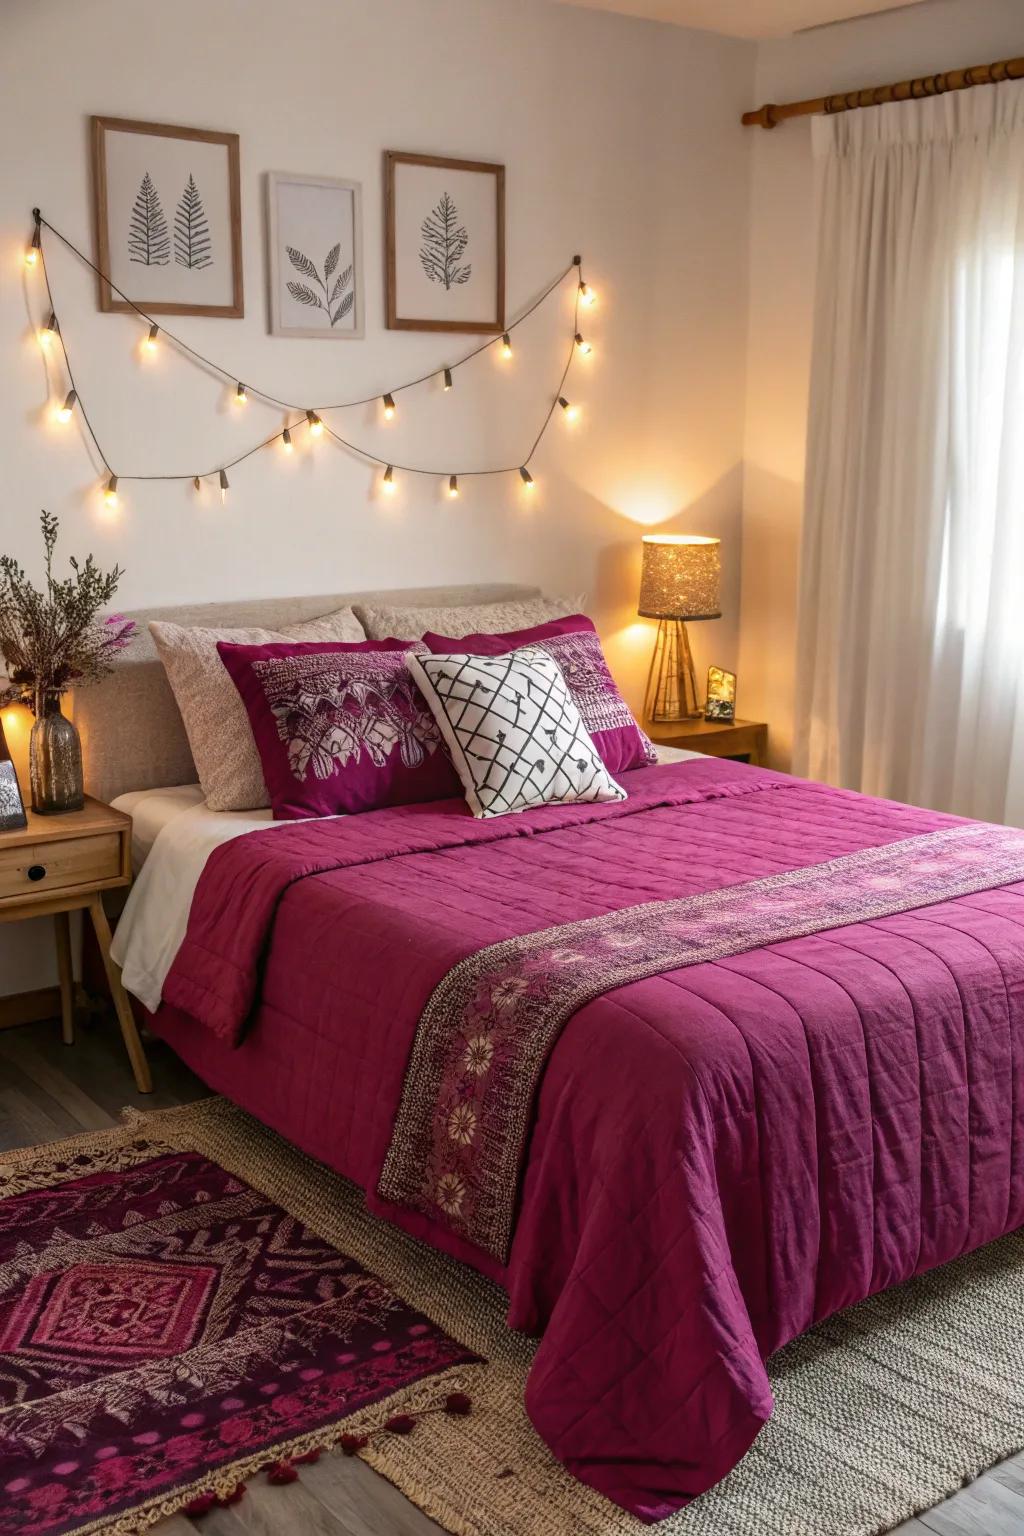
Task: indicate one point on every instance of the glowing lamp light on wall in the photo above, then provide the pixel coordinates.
(316, 426)
(64, 412)
(453, 486)
(388, 482)
(680, 580)
(389, 407)
(506, 345)
(110, 493)
(151, 343)
(50, 331)
(569, 411)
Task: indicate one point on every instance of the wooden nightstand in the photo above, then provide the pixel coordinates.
(62, 864)
(746, 739)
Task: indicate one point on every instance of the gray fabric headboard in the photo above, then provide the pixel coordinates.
(132, 733)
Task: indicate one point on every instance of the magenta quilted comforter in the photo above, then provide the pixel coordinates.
(719, 1157)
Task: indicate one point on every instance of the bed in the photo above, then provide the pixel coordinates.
(779, 1065)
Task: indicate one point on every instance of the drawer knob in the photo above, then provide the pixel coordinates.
(36, 871)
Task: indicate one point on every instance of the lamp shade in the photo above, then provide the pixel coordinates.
(680, 577)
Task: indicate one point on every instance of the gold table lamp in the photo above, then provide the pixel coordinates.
(679, 581)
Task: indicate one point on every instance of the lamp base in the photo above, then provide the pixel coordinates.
(671, 681)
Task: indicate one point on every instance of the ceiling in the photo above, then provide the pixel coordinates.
(747, 18)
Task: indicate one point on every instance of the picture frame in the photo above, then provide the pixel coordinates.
(168, 217)
(306, 265)
(720, 705)
(444, 244)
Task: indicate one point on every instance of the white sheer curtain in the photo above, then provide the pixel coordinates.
(911, 656)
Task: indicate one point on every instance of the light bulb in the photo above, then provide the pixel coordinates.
(49, 330)
(527, 478)
(316, 426)
(110, 494)
(389, 407)
(197, 483)
(453, 486)
(506, 345)
(388, 483)
(587, 295)
(286, 441)
(32, 254)
(572, 412)
(582, 345)
(447, 378)
(64, 414)
(150, 342)
(223, 486)
(240, 395)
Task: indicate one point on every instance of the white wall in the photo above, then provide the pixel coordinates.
(943, 34)
(621, 140)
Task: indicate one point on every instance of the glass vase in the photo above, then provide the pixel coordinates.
(55, 760)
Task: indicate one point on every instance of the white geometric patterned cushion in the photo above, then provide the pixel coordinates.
(515, 736)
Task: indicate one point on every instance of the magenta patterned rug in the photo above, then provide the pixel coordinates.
(167, 1330)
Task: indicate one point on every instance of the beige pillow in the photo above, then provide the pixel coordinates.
(215, 718)
(477, 618)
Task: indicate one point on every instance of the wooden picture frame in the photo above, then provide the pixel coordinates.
(220, 293)
(294, 269)
(400, 260)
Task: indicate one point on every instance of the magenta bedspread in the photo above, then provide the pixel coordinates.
(720, 1156)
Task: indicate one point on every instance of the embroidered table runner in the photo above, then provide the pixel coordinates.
(481, 1044)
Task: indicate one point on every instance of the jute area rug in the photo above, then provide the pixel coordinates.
(880, 1412)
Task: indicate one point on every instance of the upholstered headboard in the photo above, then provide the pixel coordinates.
(132, 733)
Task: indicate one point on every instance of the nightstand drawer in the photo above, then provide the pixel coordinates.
(44, 868)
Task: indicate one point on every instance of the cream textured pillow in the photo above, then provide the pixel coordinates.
(387, 623)
(215, 718)
(513, 731)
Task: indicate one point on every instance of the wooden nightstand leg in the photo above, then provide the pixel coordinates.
(123, 1008)
(62, 926)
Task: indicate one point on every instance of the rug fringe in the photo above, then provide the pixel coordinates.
(226, 1484)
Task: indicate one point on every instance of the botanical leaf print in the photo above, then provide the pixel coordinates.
(335, 709)
(444, 245)
(148, 240)
(299, 262)
(303, 294)
(191, 230)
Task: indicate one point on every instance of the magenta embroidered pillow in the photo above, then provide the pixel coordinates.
(340, 728)
(574, 644)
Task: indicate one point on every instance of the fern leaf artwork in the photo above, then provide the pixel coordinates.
(444, 245)
(192, 243)
(326, 300)
(148, 240)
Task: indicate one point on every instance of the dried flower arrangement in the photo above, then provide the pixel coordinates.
(54, 639)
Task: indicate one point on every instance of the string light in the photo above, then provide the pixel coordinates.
(583, 295)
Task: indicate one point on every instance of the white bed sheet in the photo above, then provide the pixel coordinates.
(155, 917)
(151, 810)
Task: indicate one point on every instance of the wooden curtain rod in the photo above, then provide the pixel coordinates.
(874, 96)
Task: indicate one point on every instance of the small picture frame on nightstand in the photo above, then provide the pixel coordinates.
(721, 696)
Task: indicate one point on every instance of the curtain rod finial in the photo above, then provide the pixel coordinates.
(764, 117)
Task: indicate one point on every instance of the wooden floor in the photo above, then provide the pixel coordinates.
(48, 1090)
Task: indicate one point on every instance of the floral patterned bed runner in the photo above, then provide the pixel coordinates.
(459, 1137)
